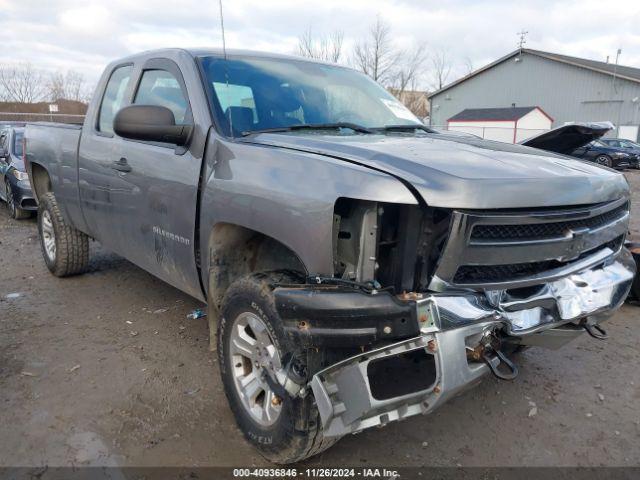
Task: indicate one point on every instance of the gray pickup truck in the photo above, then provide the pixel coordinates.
(359, 267)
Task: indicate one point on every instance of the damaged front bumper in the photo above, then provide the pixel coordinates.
(418, 374)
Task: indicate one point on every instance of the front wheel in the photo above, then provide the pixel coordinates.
(604, 160)
(15, 211)
(252, 346)
(64, 248)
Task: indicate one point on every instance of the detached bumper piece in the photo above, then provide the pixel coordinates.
(344, 393)
(334, 317)
(459, 341)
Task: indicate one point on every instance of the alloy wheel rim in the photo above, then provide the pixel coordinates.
(48, 236)
(253, 358)
(603, 161)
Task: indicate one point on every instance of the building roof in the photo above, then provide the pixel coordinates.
(621, 71)
(491, 114)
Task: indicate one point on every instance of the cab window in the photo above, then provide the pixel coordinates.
(161, 88)
(113, 98)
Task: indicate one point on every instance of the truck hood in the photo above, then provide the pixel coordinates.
(567, 138)
(464, 172)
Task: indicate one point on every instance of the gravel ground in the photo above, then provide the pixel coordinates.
(105, 369)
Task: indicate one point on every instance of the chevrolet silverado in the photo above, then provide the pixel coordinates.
(359, 267)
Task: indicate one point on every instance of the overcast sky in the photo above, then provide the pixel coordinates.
(85, 35)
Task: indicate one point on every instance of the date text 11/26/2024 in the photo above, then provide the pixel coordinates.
(316, 473)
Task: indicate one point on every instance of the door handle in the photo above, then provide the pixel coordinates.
(121, 165)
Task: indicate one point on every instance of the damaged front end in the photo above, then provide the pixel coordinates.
(481, 285)
(453, 340)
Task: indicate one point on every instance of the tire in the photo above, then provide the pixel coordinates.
(65, 249)
(294, 431)
(15, 211)
(604, 160)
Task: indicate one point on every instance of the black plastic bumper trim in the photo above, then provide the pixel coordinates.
(343, 317)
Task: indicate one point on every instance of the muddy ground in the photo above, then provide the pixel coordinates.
(105, 369)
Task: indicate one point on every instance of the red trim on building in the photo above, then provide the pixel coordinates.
(505, 119)
(544, 113)
(483, 121)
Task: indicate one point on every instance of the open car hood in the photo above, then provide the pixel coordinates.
(567, 138)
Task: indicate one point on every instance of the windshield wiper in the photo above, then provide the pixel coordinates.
(406, 128)
(312, 126)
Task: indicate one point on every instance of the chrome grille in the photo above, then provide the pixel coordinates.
(546, 230)
(517, 271)
(495, 250)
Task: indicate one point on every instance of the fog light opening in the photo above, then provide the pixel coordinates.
(402, 374)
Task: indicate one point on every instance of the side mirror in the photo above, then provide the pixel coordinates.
(150, 123)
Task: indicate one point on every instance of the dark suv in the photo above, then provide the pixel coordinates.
(15, 187)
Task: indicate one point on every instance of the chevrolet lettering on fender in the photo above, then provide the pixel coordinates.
(359, 268)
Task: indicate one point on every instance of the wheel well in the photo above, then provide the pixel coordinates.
(235, 251)
(40, 180)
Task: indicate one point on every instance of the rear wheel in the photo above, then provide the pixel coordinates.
(64, 248)
(604, 160)
(14, 210)
(252, 346)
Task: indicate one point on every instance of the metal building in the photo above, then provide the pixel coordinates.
(569, 89)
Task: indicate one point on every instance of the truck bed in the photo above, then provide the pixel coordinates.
(55, 145)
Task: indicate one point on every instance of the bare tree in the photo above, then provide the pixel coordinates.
(408, 69)
(323, 47)
(69, 86)
(56, 86)
(21, 83)
(399, 71)
(376, 55)
(440, 68)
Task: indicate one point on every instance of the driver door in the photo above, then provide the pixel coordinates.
(156, 194)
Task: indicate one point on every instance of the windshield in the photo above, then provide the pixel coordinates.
(17, 144)
(262, 93)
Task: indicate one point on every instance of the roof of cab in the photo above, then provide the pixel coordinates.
(219, 52)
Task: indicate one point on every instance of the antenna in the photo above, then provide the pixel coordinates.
(523, 39)
(226, 69)
(224, 43)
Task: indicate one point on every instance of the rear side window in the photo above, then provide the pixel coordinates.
(113, 97)
(161, 88)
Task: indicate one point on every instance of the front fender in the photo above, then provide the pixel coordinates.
(286, 195)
